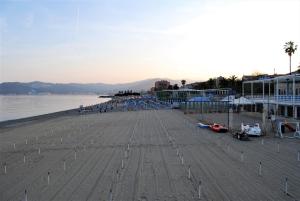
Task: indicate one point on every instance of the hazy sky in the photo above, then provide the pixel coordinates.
(117, 41)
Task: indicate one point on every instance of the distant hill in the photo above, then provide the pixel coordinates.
(76, 88)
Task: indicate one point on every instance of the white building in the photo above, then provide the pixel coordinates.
(280, 95)
(182, 95)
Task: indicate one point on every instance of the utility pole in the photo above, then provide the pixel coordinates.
(228, 109)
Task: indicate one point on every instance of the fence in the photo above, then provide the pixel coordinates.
(279, 98)
(204, 107)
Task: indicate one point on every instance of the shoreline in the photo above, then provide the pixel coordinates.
(44, 117)
(108, 106)
(25, 120)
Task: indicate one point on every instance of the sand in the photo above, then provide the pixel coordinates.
(147, 142)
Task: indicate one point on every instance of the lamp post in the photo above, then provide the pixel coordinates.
(228, 109)
(269, 94)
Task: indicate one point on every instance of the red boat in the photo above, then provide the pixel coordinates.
(218, 128)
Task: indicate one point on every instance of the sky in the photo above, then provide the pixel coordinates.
(117, 41)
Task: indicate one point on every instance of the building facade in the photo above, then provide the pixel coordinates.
(183, 95)
(280, 95)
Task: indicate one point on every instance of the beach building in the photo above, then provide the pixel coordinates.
(183, 95)
(279, 96)
(179, 95)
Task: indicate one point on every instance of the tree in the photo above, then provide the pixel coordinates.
(175, 87)
(238, 85)
(170, 87)
(183, 83)
(232, 80)
(224, 83)
(290, 48)
(211, 83)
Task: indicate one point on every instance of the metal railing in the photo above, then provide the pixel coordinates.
(279, 98)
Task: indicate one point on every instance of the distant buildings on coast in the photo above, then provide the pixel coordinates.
(278, 94)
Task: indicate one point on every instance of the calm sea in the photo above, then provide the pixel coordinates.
(19, 106)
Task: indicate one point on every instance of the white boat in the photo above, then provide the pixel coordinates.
(201, 125)
(253, 130)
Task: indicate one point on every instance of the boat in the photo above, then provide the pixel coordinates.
(201, 125)
(218, 128)
(251, 130)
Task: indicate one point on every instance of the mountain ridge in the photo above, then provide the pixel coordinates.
(39, 87)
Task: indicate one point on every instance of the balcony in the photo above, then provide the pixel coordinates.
(280, 99)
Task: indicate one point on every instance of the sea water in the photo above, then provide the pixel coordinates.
(20, 106)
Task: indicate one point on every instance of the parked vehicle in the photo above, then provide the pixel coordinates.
(201, 125)
(251, 130)
(218, 128)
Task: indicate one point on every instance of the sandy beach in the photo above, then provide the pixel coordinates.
(142, 155)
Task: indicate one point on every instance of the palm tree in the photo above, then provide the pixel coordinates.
(223, 83)
(290, 49)
(183, 83)
(232, 80)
